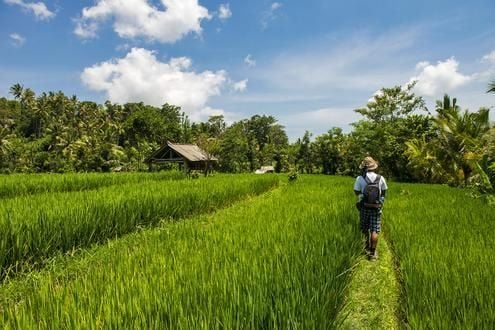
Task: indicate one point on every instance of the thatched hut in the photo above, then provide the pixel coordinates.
(188, 156)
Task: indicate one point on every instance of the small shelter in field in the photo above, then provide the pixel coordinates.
(265, 169)
(188, 156)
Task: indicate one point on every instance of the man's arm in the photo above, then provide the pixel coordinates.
(383, 189)
(357, 187)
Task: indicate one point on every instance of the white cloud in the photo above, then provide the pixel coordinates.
(270, 14)
(489, 73)
(139, 76)
(240, 86)
(490, 57)
(376, 94)
(205, 113)
(17, 40)
(357, 63)
(39, 9)
(139, 18)
(250, 62)
(318, 121)
(440, 78)
(224, 11)
(275, 6)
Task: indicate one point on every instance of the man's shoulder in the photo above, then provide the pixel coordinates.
(360, 179)
(358, 183)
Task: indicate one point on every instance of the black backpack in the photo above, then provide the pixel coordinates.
(371, 199)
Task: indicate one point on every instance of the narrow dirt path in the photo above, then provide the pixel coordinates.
(373, 293)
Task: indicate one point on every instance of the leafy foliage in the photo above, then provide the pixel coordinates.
(56, 133)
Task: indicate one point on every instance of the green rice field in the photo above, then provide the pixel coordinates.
(444, 243)
(16, 185)
(235, 251)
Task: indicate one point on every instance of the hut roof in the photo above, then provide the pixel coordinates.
(190, 152)
(265, 169)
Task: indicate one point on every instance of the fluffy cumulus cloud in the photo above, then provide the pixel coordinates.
(440, 78)
(140, 76)
(240, 86)
(17, 40)
(140, 18)
(224, 11)
(39, 9)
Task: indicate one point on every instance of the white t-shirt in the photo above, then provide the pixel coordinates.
(361, 182)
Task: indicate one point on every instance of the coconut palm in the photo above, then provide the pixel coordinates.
(17, 91)
(423, 161)
(459, 136)
(5, 143)
(491, 87)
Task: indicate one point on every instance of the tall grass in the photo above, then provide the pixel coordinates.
(35, 227)
(27, 184)
(444, 241)
(275, 261)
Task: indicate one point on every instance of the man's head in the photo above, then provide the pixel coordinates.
(369, 163)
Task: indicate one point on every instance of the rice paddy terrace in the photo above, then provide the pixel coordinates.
(238, 251)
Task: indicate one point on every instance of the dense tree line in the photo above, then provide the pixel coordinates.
(55, 133)
(411, 143)
(52, 132)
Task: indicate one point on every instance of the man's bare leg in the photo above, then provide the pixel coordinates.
(373, 243)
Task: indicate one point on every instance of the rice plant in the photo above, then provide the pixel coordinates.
(444, 242)
(33, 228)
(279, 260)
(27, 184)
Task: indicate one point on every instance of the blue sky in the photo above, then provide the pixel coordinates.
(308, 63)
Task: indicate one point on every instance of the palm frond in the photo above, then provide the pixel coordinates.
(491, 87)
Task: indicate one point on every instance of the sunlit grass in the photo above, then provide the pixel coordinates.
(444, 242)
(15, 185)
(275, 261)
(35, 227)
(279, 260)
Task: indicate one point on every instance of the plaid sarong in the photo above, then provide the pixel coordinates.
(370, 219)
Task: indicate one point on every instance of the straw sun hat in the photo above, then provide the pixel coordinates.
(369, 163)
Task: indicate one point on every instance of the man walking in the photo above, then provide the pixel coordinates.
(370, 188)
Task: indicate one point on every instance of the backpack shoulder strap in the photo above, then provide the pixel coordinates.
(378, 178)
(368, 181)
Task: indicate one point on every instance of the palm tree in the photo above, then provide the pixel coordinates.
(423, 160)
(491, 87)
(459, 135)
(444, 106)
(17, 91)
(5, 143)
